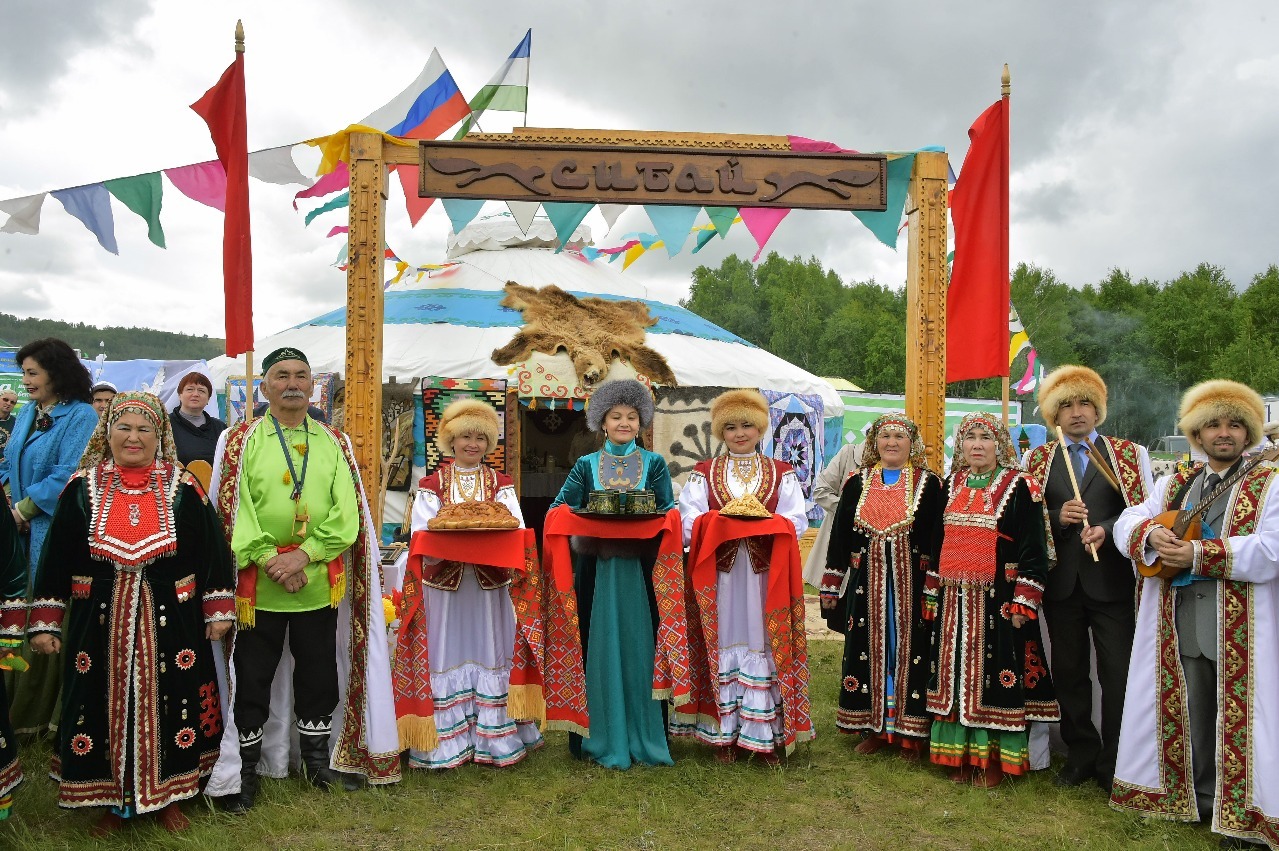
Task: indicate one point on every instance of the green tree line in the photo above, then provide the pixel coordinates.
(1149, 340)
(120, 343)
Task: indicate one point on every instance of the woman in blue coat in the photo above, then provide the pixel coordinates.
(49, 437)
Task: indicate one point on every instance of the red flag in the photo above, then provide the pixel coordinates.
(977, 302)
(223, 109)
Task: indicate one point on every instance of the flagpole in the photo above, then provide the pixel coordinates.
(248, 356)
(1006, 90)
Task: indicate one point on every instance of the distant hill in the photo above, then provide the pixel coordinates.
(121, 343)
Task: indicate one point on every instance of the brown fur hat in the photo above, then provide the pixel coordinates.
(466, 415)
(1209, 400)
(1067, 383)
(746, 405)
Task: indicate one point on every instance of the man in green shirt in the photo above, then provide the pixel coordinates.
(296, 512)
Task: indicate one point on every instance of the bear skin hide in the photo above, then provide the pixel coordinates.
(593, 331)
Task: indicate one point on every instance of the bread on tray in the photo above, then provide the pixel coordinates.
(473, 515)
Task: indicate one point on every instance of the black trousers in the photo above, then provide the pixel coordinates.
(313, 642)
(1111, 624)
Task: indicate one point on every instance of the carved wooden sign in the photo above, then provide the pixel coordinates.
(652, 175)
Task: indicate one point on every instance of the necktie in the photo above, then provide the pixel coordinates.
(1210, 483)
(1077, 461)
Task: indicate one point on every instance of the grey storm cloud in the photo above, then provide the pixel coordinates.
(41, 38)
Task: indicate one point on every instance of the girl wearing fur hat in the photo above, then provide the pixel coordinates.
(454, 654)
(745, 713)
(884, 539)
(990, 672)
(612, 579)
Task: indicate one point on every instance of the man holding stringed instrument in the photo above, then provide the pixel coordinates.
(1088, 480)
(1200, 735)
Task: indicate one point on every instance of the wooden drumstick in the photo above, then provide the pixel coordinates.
(1074, 483)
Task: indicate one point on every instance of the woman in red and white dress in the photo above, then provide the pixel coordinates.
(750, 714)
(455, 652)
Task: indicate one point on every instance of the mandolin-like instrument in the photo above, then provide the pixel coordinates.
(1187, 524)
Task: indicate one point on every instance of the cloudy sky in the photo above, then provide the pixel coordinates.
(1142, 132)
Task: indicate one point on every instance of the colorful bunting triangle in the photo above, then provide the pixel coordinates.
(92, 206)
(722, 218)
(24, 214)
(461, 211)
(761, 222)
(884, 225)
(673, 224)
(142, 194)
(276, 165)
(203, 182)
(343, 200)
(523, 212)
(566, 216)
(334, 181)
(611, 213)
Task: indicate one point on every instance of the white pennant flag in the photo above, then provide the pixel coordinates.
(523, 211)
(276, 165)
(24, 214)
(611, 212)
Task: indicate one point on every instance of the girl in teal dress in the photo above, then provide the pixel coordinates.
(612, 579)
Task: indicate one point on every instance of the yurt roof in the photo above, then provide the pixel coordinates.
(449, 323)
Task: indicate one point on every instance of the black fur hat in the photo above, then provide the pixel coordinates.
(610, 394)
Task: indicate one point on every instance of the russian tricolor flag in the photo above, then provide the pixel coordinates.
(430, 105)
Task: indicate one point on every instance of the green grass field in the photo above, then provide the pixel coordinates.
(824, 797)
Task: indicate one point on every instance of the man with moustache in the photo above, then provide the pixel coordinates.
(1087, 602)
(289, 493)
(1200, 735)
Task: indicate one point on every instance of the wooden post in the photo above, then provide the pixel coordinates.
(926, 284)
(364, 309)
(1005, 84)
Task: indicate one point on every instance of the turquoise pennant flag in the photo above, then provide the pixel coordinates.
(338, 202)
(461, 211)
(703, 238)
(141, 194)
(565, 216)
(673, 224)
(884, 225)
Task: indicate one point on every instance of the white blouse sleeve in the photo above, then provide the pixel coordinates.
(790, 503)
(693, 503)
(506, 496)
(425, 506)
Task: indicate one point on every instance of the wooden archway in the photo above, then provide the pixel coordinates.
(638, 181)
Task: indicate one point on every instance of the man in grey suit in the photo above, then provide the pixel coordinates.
(1085, 594)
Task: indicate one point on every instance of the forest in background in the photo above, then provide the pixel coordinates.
(1149, 340)
(120, 343)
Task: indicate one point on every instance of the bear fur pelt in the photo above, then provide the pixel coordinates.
(593, 331)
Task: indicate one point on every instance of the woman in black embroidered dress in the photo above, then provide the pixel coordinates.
(884, 540)
(990, 677)
(136, 580)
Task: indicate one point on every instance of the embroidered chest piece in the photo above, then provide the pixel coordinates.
(883, 508)
(132, 515)
(621, 472)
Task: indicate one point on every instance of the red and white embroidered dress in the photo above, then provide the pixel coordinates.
(469, 639)
(749, 695)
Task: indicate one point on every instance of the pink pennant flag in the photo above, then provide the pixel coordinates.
(335, 181)
(1028, 380)
(761, 222)
(816, 146)
(337, 229)
(203, 182)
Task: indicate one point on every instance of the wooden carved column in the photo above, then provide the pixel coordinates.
(364, 308)
(926, 283)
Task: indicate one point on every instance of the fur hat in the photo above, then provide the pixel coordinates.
(1209, 400)
(466, 415)
(1067, 383)
(739, 406)
(622, 391)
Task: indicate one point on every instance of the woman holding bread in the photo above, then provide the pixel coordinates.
(749, 657)
(458, 627)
